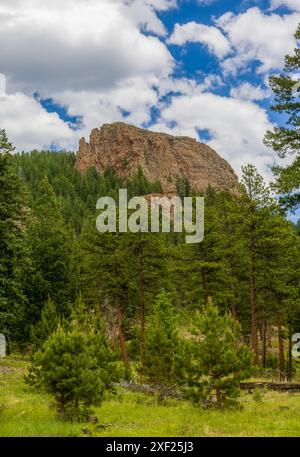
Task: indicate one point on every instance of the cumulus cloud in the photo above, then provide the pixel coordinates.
(236, 127)
(32, 127)
(193, 32)
(293, 5)
(247, 91)
(144, 12)
(159, 5)
(255, 36)
(134, 97)
(89, 56)
(239, 40)
(87, 44)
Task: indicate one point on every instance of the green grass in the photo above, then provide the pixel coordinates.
(26, 412)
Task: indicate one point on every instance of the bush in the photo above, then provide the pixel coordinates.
(76, 368)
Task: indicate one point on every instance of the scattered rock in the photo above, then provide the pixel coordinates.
(161, 157)
(86, 431)
(146, 388)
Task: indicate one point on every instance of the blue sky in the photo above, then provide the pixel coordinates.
(188, 67)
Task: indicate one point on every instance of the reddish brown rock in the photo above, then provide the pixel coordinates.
(161, 156)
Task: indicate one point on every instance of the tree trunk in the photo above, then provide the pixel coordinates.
(142, 317)
(121, 336)
(61, 408)
(234, 311)
(119, 321)
(254, 337)
(269, 336)
(264, 344)
(76, 409)
(281, 348)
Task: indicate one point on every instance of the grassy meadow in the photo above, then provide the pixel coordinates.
(26, 412)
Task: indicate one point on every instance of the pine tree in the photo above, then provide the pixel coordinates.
(280, 283)
(287, 185)
(47, 324)
(286, 140)
(52, 246)
(217, 361)
(232, 241)
(88, 318)
(76, 368)
(143, 255)
(204, 263)
(271, 251)
(160, 360)
(256, 205)
(103, 277)
(13, 254)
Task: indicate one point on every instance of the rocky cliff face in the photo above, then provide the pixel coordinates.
(161, 156)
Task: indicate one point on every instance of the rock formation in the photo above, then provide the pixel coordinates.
(161, 156)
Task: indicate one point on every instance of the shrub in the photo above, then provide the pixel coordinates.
(258, 395)
(76, 368)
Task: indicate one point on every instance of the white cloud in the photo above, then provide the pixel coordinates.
(247, 91)
(236, 127)
(144, 12)
(186, 86)
(87, 44)
(247, 37)
(293, 5)
(32, 127)
(90, 56)
(135, 96)
(200, 33)
(255, 36)
(159, 5)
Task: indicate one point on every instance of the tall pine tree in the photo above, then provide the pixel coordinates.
(286, 139)
(13, 256)
(52, 248)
